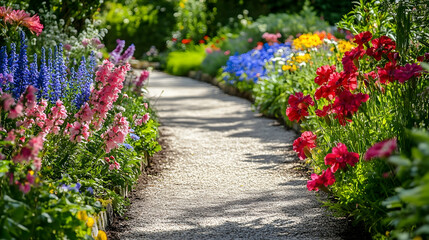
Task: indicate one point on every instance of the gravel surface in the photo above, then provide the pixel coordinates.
(231, 176)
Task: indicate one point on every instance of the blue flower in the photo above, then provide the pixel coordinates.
(251, 65)
(90, 190)
(134, 136)
(127, 146)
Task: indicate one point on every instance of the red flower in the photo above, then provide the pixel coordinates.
(337, 83)
(304, 144)
(346, 104)
(186, 41)
(380, 46)
(340, 157)
(323, 74)
(202, 41)
(321, 181)
(350, 57)
(382, 149)
(298, 105)
(174, 39)
(387, 74)
(206, 37)
(363, 38)
(403, 74)
(325, 111)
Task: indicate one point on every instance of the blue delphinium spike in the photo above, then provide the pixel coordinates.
(34, 72)
(12, 62)
(55, 85)
(92, 63)
(22, 74)
(82, 93)
(3, 60)
(61, 71)
(44, 78)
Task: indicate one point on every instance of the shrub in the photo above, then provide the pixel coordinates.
(180, 63)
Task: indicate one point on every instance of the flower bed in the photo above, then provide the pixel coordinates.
(74, 136)
(356, 102)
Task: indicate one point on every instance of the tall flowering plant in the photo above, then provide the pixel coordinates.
(52, 78)
(373, 94)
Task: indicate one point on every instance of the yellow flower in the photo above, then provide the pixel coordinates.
(417, 238)
(182, 5)
(306, 41)
(293, 68)
(90, 222)
(285, 67)
(101, 235)
(81, 215)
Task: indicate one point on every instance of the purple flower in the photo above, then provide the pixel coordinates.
(127, 54)
(115, 54)
(134, 136)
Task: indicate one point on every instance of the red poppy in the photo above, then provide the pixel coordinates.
(363, 38)
(298, 105)
(380, 46)
(323, 74)
(304, 144)
(340, 157)
(206, 37)
(408, 71)
(321, 181)
(201, 41)
(381, 149)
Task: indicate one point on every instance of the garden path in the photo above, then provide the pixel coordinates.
(231, 176)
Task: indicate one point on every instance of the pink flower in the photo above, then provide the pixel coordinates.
(145, 105)
(85, 42)
(24, 187)
(146, 117)
(227, 52)
(340, 157)
(7, 101)
(114, 165)
(37, 162)
(67, 47)
(403, 74)
(85, 113)
(20, 17)
(16, 111)
(116, 133)
(321, 181)
(78, 131)
(381, 149)
(304, 144)
(142, 79)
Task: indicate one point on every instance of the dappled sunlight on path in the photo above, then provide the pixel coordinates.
(229, 177)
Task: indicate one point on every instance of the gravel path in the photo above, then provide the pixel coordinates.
(231, 174)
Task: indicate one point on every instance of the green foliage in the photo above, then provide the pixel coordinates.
(180, 63)
(213, 62)
(46, 212)
(287, 24)
(408, 209)
(142, 22)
